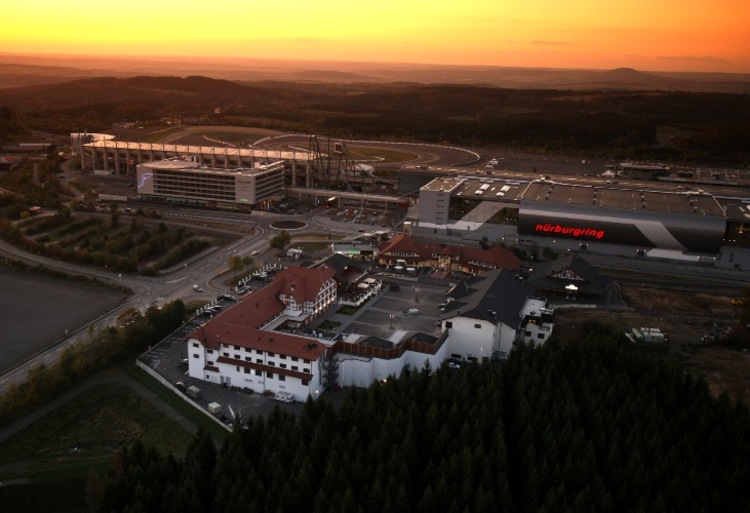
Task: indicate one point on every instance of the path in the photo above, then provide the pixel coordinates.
(103, 378)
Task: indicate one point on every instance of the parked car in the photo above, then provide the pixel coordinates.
(197, 288)
(453, 363)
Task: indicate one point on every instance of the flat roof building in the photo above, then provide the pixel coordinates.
(677, 221)
(691, 222)
(187, 182)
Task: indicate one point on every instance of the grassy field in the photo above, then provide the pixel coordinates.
(54, 457)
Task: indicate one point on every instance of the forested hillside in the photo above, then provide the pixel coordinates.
(618, 124)
(595, 426)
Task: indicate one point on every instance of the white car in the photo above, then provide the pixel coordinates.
(197, 288)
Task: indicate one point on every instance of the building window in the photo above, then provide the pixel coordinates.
(236, 348)
(195, 344)
(248, 359)
(478, 326)
(271, 364)
(294, 368)
(247, 370)
(305, 382)
(306, 371)
(448, 324)
(196, 356)
(258, 372)
(269, 375)
(282, 356)
(236, 357)
(527, 333)
(209, 363)
(282, 377)
(282, 365)
(210, 351)
(295, 359)
(540, 335)
(271, 354)
(259, 360)
(225, 354)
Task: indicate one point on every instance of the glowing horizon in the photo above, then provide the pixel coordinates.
(657, 36)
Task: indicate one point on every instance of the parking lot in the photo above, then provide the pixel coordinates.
(385, 316)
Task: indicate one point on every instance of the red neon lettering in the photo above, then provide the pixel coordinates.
(569, 230)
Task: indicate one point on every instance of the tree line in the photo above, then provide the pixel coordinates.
(593, 426)
(93, 352)
(617, 124)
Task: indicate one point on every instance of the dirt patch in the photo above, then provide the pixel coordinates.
(687, 317)
(678, 302)
(691, 320)
(725, 370)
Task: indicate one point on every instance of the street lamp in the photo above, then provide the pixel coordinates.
(416, 294)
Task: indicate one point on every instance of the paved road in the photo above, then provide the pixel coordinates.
(177, 284)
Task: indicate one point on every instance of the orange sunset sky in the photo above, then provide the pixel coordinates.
(667, 35)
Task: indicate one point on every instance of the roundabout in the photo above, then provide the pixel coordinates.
(288, 225)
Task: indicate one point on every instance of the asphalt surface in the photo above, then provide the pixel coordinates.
(373, 319)
(38, 311)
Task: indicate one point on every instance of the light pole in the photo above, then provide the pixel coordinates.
(416, 294)
(391, 316)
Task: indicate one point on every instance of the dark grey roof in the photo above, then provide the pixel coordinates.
(424, 338)
(592, 284)
(378, 342)
(339, 263)
(493, 296)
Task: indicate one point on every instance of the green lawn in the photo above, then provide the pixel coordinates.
(57, 454)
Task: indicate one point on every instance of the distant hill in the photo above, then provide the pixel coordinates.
(18, 70)
(151, 90)
(606, 115)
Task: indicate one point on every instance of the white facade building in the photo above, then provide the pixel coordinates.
(537, 321)
(187, 182)
(240, 348)
(370, 359)
(251, 345)
(484, 314)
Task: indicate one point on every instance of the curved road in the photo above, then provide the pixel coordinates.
(167, 287)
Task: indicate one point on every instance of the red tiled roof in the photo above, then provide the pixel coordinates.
(403, 243)
(214, 333)
(240, 325)
(496, 255)
(304, 283)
